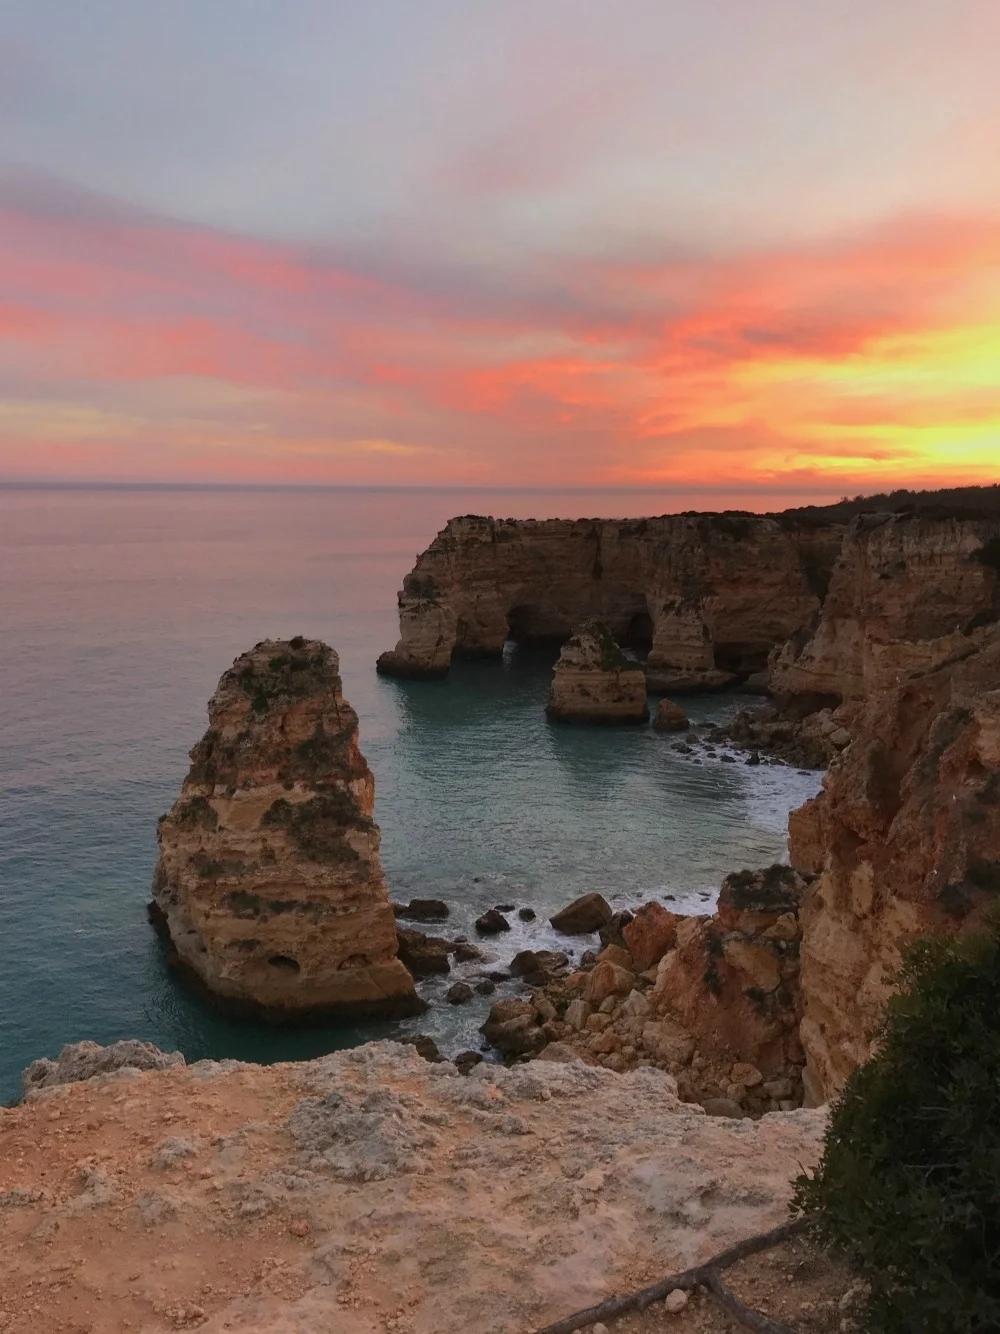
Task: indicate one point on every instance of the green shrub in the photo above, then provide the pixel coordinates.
(909, 1184)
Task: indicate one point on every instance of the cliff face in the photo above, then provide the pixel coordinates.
(707, 594)
(594, 682)
(906, 840)
(269, 882)
(905, 590)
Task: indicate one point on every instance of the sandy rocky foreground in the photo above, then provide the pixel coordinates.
(372, 1192)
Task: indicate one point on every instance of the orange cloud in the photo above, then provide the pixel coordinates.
(164, 350)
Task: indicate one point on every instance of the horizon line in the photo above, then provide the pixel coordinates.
(69, 484)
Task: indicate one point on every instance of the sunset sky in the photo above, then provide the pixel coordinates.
(739, 243)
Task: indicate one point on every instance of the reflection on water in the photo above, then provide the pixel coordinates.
(120, 611)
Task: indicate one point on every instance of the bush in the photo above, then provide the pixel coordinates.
(909, 1184)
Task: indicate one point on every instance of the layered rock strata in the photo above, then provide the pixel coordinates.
(907, 591)
(593, 681)
(709, 595)
(372, 1190)
(905, 839)
(269, 884)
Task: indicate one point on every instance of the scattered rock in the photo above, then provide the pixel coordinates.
(423, 955)
(492, 923)
(466, 953)
(670, 717)
(607, 979)
(486, 986)
(650, 934)
(467, 1060)
(422, 910)
(675, 1301)
(583, 916)
(529, 962)
(459, 993)
(526, 914)
(426, 1047)
(611, 932)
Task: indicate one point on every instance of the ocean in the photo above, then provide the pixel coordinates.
(120, 609)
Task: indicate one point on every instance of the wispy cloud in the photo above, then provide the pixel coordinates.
(135, 345)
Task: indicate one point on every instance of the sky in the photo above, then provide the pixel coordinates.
(745, 244)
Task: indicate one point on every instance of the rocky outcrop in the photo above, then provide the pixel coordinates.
(373, 1190)
(79, 1061)
(906, 593)
(593, 681)
(670, 717)
(269, 884)
(733, 980)
(906, 841)
(709, 595)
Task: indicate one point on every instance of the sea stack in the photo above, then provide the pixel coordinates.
(594, 682)
(269, 883)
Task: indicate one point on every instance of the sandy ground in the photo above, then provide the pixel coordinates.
(372, 1193)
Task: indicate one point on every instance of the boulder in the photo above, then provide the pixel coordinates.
(526, 914)
(269, 885)
(619, 955)
(594, 682)
(422, 910)
(466, 953)
(652, 931)
(459, 993)
(512, 1027)
(670, 717)
(425, 1046)
(583, 916)
(467, 1060)
(607, 979)
(423, 955)
(529, 962)
(492, 923)
(611, 932)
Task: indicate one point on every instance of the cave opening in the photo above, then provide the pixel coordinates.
(284, 964)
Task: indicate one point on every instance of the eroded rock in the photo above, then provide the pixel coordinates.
(594, 682)
(269, 884)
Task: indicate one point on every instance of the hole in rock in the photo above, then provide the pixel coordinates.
(284, 964)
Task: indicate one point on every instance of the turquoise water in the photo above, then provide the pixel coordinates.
(118, 612)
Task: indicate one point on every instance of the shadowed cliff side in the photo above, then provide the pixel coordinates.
(269, 884)
(708, 595)
(905, 594)
(905, 839)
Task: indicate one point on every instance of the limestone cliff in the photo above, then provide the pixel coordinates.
(906, 840)
(905, 592)
(709, 595)
(269, 883)
(594, 682)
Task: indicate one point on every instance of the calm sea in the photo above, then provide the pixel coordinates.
(119, 610)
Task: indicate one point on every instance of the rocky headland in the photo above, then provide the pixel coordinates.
(706, 596)
(269, 887)
(593, 681)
